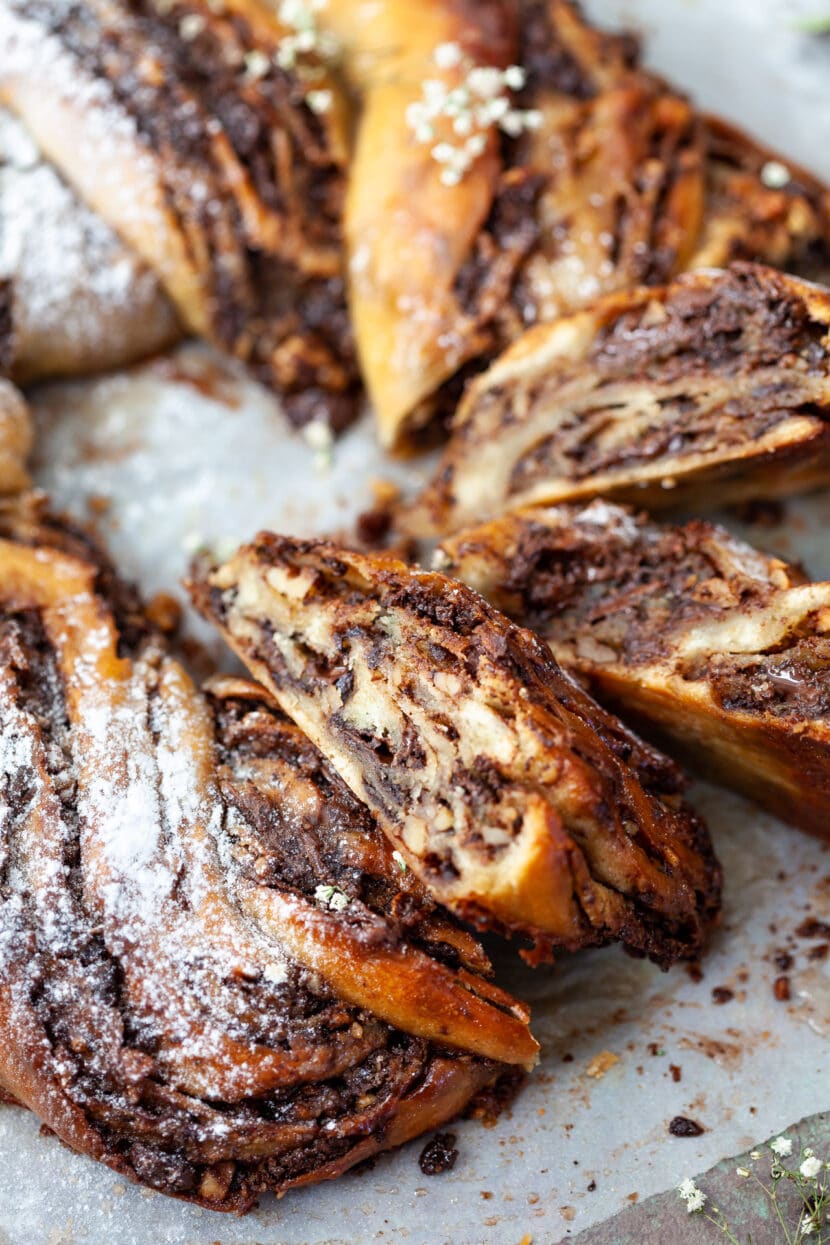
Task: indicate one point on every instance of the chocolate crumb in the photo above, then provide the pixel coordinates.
(811, 928)
(373, 527)
(164, 612)
(721, 995)
(781, 989)
(819, 952)
(681, 1126)
(438, 1155)
(592, 1187)
(676, 1072)
(783, 961)
(695, 972)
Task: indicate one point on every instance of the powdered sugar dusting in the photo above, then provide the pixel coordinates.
(79, 292)
(74, 282)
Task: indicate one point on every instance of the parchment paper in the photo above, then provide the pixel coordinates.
(185, 453)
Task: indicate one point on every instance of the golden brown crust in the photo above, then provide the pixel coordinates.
(440, 275)
(174, 123)
(713, 388)
(407, 234)
(761, 206)
(722, 650)
(622, 183)
(626, 200)
(522, 804)
(15, 439)
(214, 976)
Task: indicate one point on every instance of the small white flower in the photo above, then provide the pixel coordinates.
(469, 111)
(319, 101)
(775, 175)
(807, 1226)
(399, 861)
(755, 1154)
(782, 1146)
(515, 77)
(493, 110)
(694, 1197)
(484, 81)
(811, 1167)
(743, 1172)
(476, 145)
(444, 153)
(435, 91)
(448, 55)
(257, 65)
(286, 54)
(191, 26)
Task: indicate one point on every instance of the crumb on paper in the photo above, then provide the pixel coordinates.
(781, 989)
(97, 504)
(164, 612)
(601, 1063)
(438, 1155)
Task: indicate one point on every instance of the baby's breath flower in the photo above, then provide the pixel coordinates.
(468, 111)
(755, 1154)
(743, 1172)
(694, 1197)
(811, 1167)
(515, 77)
(775, 175)
(304, 40)
(319, 101)
(191, 26)
(257, 65)
(782, 1146)
(448, 55)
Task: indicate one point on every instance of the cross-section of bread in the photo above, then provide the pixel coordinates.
(761, 206)
(618, 181)
(523, 805)
(78, 299)
(724, 650)
(711, 389)
(605, 190)
(15, 435)
(214, 975)
(222, 170)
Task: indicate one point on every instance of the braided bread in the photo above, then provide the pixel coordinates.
(214, 976)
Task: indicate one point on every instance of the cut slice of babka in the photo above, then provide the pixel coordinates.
(522, 805)
(712, 389)
(721, 649)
